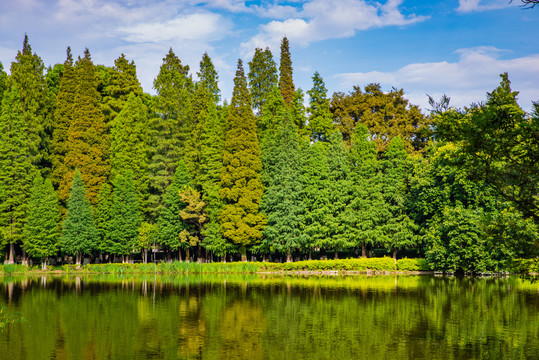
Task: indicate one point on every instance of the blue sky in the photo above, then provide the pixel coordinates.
(425, 47)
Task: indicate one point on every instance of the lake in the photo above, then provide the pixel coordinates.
(270, 317)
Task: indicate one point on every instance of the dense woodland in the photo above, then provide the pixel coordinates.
(93, 167)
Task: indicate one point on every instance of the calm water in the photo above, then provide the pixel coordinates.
(252, 317)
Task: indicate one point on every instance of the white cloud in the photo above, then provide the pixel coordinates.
(328, 19)
(465, 81)
(467, 6)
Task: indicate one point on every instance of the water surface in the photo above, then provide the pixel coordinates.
(270, 317)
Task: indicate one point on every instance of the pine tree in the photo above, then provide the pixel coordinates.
(170, 223)
(146, 239)
(16, 169)
(208, 78)
(364, 213)
(42, 230)
(170, 126)
(283, 199)
(262, 76)
(28, 77)
(271, 114)
(3, 81)
(79, 235)
(126, 217)
(241, 184)
(286, 84)
(120, 84)
(398, 226)
(194, 215)
(320, 121)
(63, 117)
(88, 143)
(129, 148)
(103, 219)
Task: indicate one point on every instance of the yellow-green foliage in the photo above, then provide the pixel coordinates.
(362, 264)
(413, 265)
(525, 266)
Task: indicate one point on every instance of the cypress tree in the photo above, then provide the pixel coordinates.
(129, 149)
(120, 84)
(262, 77)
(42, 230)
(208, 78)
(283, 199)
(170, 223)
(170, 126)
(286, 84)
(79, 235)
(103, 220)
(88, 143)
(16, 169)
(320, 121)
(63, 117)
(194, 216)
(28, 77)
(3, 81)
(125, 222)
(241, 184)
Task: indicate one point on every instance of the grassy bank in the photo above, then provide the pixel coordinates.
(367, 264)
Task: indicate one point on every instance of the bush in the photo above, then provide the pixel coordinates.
(412, 265)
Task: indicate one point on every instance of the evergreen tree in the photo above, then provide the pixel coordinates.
(3, 81)
(262, 77)
(16, 169)
(146, 239)
(320, 121)
(126, 219)
(282, 200)
(208, 78)
(364, 213)
(103, 220)
(28, 77)
(286, 84)
(194, 215)
(271, 114)
(129, 149)
(170, 127)
(170, 223)
(79, 235)
(241, 185)
(63, 117)
(88, 143)
(120, 84)
(42, 230)
(398, 226)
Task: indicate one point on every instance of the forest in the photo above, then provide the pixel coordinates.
(92, 167)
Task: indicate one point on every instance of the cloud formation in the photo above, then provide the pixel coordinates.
(465, 81)
(467, 6)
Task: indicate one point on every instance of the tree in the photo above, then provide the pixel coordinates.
(320, 121)
(16, 169)
(129, 148)
(126, 218)
(146, 239)
(103, 216)
(208, 78)
(286, 84)
(42, 229)
(88, 142)
(241, 184)
(63, 117)
(170, 126)
(283, 199)
(79, 235)
(262, 77)
(3, 81)
(170, 223)
(193, 214)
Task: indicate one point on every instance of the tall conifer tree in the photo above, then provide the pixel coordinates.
(79, 235)
(42, 230)
(262, 76)
(241, 184)
(88, 143)
(16, 169)
(208, 77)
(286, 84)
(320, 120)
(3, 81)
(103, 220)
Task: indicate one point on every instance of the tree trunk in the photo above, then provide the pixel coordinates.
(223, 258)
(264, 257)
(78, 260)
(187, 255)
(145, 256)
(243, 254)
(180, 255)
(199, 259)
(395, 254)
(336, 255)
(310, 254)
(288, 256)
(44, 263)
(24, 260)
(11, 253)
(363, 252)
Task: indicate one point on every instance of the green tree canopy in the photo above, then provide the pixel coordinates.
(286, 83)
(262, 76)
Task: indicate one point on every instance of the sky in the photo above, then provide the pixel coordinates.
(453, 47)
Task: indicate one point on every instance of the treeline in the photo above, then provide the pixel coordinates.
(90, 165)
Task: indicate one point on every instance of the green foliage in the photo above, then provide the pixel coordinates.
(103, 219)
(320, 120)
(362, 264)
(208, 78)
(193, 214)
(241, 185)
(3, 81)
(79, 232)
(413, 265)
(262, 77)
(42, 229)
(126, 218)
(286, 84)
